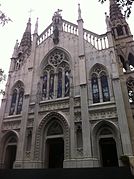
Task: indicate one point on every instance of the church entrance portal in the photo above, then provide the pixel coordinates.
(108, 152)
(55, 150)
(10, 156)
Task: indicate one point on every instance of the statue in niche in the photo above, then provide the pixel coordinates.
(56, 23)
(51, 86)
(67, 83)
(56, 35)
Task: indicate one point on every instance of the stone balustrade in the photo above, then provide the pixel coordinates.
(100, 42)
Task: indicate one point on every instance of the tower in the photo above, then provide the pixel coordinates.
(69, 96)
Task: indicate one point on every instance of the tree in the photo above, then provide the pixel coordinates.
(4, 18)
(2, 78)
(125, 5)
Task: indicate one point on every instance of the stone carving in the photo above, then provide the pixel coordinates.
(56, 35)
(57, 23)
(97, 115)
(56, 58)
(43, 123)
(11, 125)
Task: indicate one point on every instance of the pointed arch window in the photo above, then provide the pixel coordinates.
(13, 102)
(44, 86)
(67, 83)
(119, 30)
(130, 87)
(95, 89)
(104, 87)
(17, 100)
(20, 101)
(51, 85)
(56, 76)
(99, 84)
(59, 90)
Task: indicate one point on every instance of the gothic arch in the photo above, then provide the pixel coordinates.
(101, 123)
(99, 83)
(55, 85)
(122, 59)
(105, 129)
(17, 84)
(44, 124)
(130, 87)
(131, 59)
(9, 136)
(44, 61)
(17, 95)
(97, 68)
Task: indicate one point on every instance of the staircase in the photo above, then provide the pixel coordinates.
(68, 173)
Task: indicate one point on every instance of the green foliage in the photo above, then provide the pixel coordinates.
(2, 78)
(125, 5)
(3, 18)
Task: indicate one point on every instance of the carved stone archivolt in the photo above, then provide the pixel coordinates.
(40, 133)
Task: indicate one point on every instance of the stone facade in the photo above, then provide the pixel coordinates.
(69, 90)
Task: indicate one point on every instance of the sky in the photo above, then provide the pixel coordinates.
(93, 14)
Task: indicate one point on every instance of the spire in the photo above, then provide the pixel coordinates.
(79, 12)
(117, 21)
(15, 52)
(26, 39)
(115, 11)
(36, 27)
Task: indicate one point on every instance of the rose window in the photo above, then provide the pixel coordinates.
(56, 58)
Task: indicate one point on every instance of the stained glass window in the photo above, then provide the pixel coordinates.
(44, 87)
(105, 88)
(51, 86)
(67, 83)
(59, 90)
(95, 89)
(20, 101)
(130, 87)
(13, 102)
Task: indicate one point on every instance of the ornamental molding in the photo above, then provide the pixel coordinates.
(102, 114)
(54, 105)
(40, 133)
(10, 125)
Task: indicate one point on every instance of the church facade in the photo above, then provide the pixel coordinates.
(69, 96)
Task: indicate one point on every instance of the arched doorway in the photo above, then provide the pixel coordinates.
(108, 152)
(10, 152)
(54, 146)
(55, 150)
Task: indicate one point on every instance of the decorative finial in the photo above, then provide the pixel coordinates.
(108, 22)
(36, 27)
(58, 12)
(79, 12)
(30, 12)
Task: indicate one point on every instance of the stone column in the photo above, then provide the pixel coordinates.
(72, 130)
(21, 142)
(120, 104)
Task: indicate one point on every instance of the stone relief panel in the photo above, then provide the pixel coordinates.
(102, 114)
(30, 122)
(10, 125)
(77, 116)
(54, 105)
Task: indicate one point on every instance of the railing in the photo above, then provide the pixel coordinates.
(98, 41)
(70, 27)
(45, 34)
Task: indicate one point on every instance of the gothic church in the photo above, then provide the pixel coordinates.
(69, 96)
